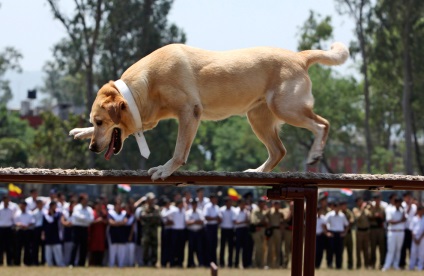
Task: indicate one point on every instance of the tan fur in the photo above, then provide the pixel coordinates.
(270, 85)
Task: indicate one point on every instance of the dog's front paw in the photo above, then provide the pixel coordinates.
(82, 133)
(160, 172)
(313, 158)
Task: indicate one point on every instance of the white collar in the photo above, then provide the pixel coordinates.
(139, 136)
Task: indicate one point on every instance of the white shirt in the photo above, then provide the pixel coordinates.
(115, 216)
(26, 219)
(194, 215)
(164, 213)
(393, 214)
(227, 215)
(38, 217)
(82, 216)
(409, 215)
(202, 204)
(241, 216)
(6, 216)
(414, 226)
(178, 217)
(31, 203)
(336, 222)
(320, 224)
(211, 210)
(420, 229)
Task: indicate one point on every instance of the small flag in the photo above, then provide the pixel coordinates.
(346, 192)
(124, 188)
(14, 191)
(232, 193)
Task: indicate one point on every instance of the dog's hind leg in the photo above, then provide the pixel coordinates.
(298, 112)
(266, 127)
(189, 120)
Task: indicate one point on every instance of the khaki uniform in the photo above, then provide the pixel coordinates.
(362, 235)
(258, 218)
(348, 239)
(276, 223)
(377, 235)
(150, 220)
(287, 236)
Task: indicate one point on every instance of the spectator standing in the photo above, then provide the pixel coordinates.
(242, 235)
(117, 220)
(201, 199)
(396, 219)
(177, 216)
(212, 218)
(150, 221)
(336, 228)
(37, 242)
(410, 211)
(67, 233)
(287, 233)
(417, 247)
(321, 238)
(131, 234)
(31, 201)
(195, 223)
(362, 215)
(377, 232)
(227, 214)
(166, 233)
(82, 217)
(260, 222)
(276, 225)
(24, 222)
(97, 235)
(348, 239)
(51, 236)
(6, 232)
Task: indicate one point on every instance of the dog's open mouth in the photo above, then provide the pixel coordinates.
(115, 143)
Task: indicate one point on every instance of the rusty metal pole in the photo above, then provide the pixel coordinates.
(311, 195)
(297, 232)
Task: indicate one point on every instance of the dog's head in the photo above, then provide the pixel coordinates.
(112, 121)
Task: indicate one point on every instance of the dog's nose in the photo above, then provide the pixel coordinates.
(93, 147)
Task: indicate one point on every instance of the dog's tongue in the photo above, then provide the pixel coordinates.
(109, 151)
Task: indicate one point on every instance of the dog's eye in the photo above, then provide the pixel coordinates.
(99, 123)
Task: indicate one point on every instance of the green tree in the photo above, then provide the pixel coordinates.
(9, 60)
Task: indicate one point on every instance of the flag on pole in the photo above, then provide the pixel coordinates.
(14, 191)
(346, 192)
(124, 188)
(232, 193)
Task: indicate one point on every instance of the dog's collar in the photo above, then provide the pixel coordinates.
(139, 136)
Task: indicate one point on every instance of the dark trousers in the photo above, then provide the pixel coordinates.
(242, 244)
(406, 246)
(178, 243)
(96, 258)
(166, 247)
(23, 241)
(227, 239)
(80, 241)
(36, 246)
(336, 248)
(212, 243)
(6, 245)
(195, 245)
(319, 249)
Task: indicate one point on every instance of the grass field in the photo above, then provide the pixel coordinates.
(45, 271)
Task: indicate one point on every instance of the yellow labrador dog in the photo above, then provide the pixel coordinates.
(270, 85)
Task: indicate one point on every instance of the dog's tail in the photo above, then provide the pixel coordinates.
(337, 55)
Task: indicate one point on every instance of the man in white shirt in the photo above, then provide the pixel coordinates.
(82, 217)
(177, 216)
(336, 228)
(410, 211)
(417, 248)
(6, 232)
(166, 233)
(195, 222)
(227, 215)
(38, 214)
(241, 228)
(212, 219)
(117, 218)
(32, 200)
(201, 199)
(24, 222)
(396, 219)
(321, 238)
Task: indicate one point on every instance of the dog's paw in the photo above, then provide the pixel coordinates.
(82, 133)
(313, 158)
(253, 170)
(159, 172)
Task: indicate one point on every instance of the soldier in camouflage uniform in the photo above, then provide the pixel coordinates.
(348, 239)
(150, 220)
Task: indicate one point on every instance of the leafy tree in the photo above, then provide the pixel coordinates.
(9, 60)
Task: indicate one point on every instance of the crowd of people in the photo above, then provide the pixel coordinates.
(395, 228)
(72, 231)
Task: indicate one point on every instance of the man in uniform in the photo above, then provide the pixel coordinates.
(150, 219)
(348, 240)
(287, 233)
(362, 215)
(276, 224)
(259, 220)
(377, 231)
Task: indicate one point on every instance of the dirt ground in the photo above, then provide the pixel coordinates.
(45, 271)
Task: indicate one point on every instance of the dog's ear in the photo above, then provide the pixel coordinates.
(114, 110)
